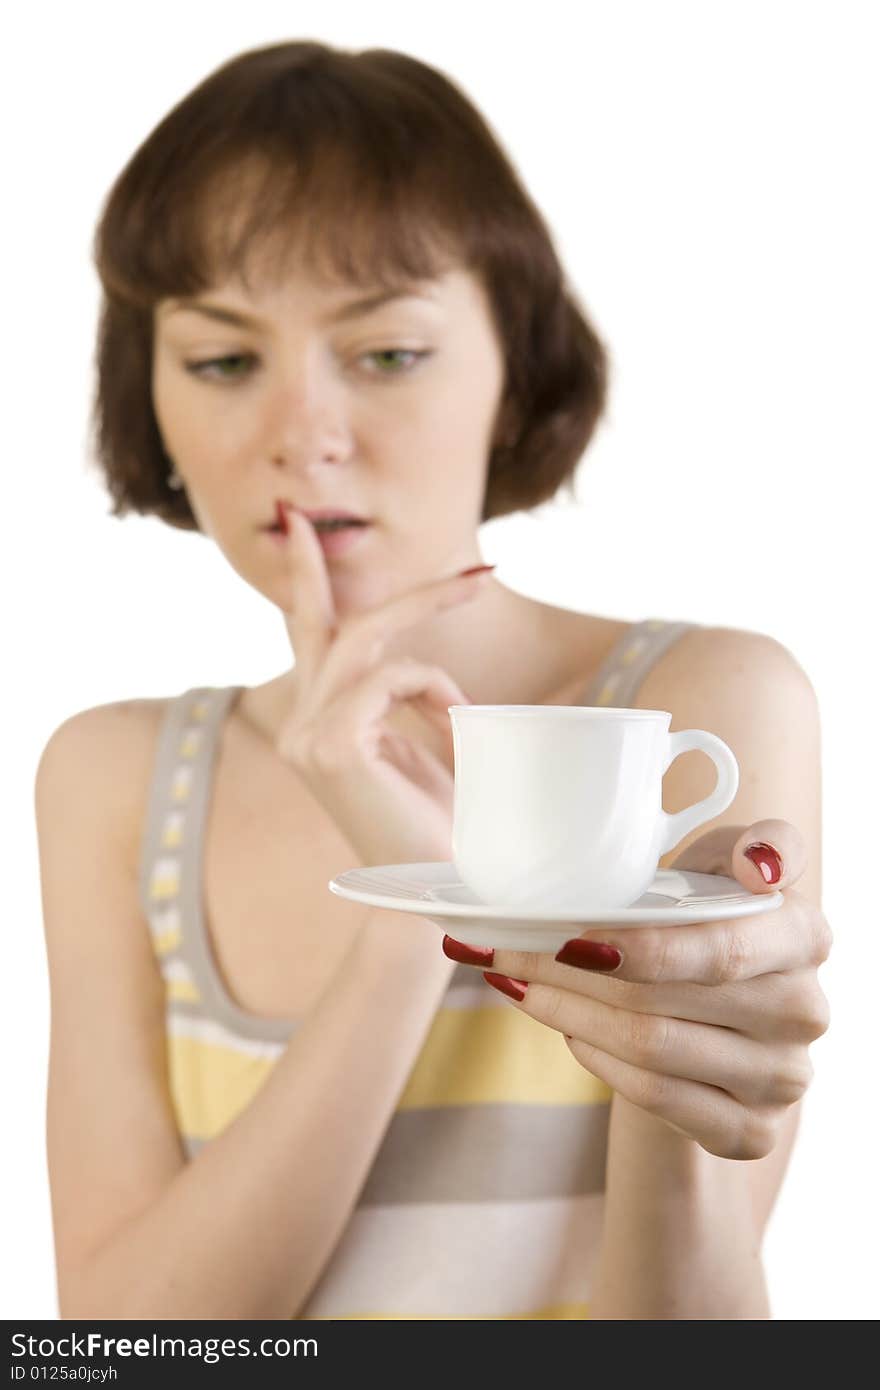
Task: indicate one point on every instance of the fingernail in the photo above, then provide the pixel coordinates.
(467, 955)
(475, 569)
(765, 858)
(514, 989)
(281, 516)
(589, 955)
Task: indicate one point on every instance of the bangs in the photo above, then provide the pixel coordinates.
(327, 215)
(335, 213)
(349, 166)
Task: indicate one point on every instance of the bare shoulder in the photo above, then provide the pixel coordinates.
(717, 659)
(129, 719)
(747, 688)
(100, 759)
(703, 661)
(130, 722)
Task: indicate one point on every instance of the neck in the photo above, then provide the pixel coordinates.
(500, 648)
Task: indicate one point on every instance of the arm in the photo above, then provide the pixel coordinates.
(246, 1228)
(679, 1239)
(683, 1230)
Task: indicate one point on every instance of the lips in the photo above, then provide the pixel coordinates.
(334, 514)
(319, 516)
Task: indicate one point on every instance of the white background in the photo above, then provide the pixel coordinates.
(708, 171)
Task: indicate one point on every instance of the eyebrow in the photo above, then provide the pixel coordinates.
(354, 309)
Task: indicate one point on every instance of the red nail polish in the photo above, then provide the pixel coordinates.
(589, 955)
(514, 989)
(475, 569)
(467, 955)
(765, 858)
(281, 517)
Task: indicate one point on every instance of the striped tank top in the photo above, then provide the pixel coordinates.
(485, 1198)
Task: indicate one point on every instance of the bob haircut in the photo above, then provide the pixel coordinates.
(375, 169)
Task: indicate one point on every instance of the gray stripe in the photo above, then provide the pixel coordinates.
(466, 990)
(484, 1153)
(196, 948)
(159, 799)
(192, 1146)
(656, 643)
(180, 1014)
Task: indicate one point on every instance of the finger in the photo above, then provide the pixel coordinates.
(711, 852)
(363, 639)
(436, 712)
(719, 1123)
(791, 937)
(351, 725)
(769, 855)
(748, 1070)
(421, 767)
(312, 611)
(723, 851)
(784, 1006)
(787, 1006)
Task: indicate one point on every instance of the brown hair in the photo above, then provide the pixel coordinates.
(388, 174)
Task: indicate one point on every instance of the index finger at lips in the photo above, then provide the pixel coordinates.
(708, 953)
(312, 612)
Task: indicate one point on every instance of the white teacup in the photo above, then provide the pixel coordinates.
(559, 806)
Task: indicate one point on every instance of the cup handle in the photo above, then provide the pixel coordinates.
(675, 827)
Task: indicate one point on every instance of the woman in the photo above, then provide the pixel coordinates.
(325, 291)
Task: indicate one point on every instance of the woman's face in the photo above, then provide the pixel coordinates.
(387, 412)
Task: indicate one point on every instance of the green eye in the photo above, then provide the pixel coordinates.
(393, 356)
(389, 360)
(394, 353)
(201, 368)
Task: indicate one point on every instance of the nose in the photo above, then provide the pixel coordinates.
(307, 419)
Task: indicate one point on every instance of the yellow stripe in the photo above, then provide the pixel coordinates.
(631, 653)
(164, 886)
(189, 744)
(556, 1311)
(607, 690)
(485, 1056)
(183, 990)
(181, 782)
(211, 1084)
(470, 1057)
(166, 941)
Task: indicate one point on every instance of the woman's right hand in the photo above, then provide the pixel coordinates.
(390, 796)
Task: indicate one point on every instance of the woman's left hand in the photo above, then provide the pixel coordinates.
(706, 1026)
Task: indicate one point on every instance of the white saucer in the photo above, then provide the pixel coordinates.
(435, 891)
